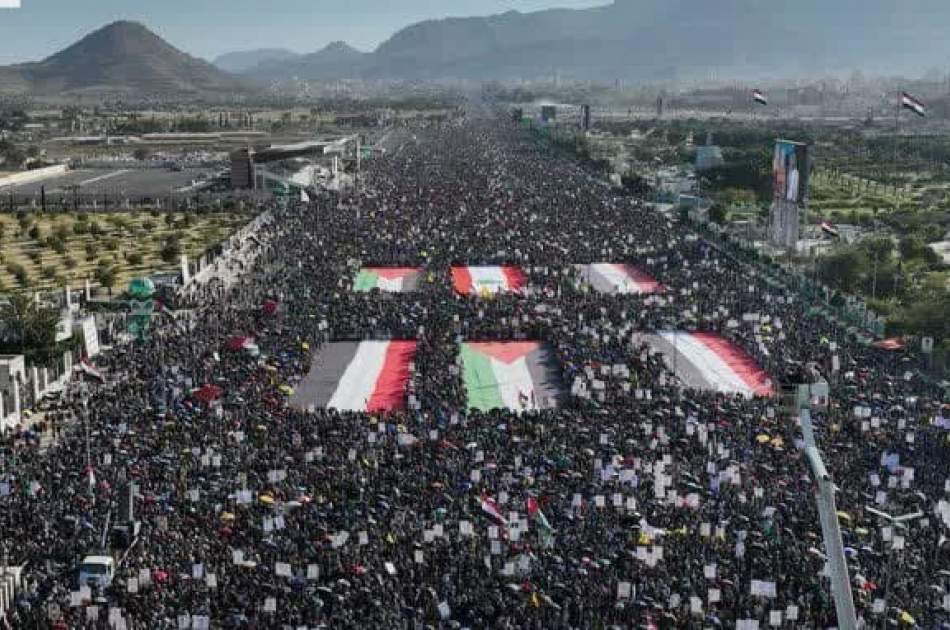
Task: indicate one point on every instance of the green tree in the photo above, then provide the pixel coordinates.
(58, 245)
(717, 214)
(880, 248)
(926, 317)
(61, 232)
(171, 250)
(35, 233)
(914, 248)
(28, 328)
(18, 271)
(106, 276)
(134, 258)
(842, 269)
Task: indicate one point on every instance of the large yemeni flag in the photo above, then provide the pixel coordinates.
(759, 97)
(387, 279)
(708, 361)
(508, 375)
(482, 280)
(618, 278)
(357, 376)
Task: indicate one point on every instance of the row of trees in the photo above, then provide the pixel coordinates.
(902, 283)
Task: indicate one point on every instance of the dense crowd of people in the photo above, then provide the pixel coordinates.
(642, 504)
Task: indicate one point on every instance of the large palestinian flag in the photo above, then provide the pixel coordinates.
(708, 361)
(387, 279)
(357, 376)
(482, 280)
(516, 375)
(617, 278)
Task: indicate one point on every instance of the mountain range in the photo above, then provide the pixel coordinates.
(244, 60)
(651, 40)
(337, 60)
(639, 40)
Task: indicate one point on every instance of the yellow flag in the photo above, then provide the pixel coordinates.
(535, 601)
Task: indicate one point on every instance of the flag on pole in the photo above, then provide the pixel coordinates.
(162, 308)
(88, 368)
(490, 508)
(534, 511)
(911, 103)
(828, 228)
(92, 477)
(759, 97)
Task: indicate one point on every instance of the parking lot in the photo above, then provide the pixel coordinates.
(132, 182)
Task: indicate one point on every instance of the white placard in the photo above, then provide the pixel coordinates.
(623, 590)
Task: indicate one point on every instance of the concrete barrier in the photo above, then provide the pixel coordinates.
(37, 174)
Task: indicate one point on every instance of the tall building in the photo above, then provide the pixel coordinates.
(785, 224)
(242, 169)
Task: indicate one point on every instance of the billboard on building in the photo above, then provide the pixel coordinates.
(790, 170)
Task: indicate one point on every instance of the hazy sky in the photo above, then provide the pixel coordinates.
(207, 28)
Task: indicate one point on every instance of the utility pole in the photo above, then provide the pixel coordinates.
(897, 133)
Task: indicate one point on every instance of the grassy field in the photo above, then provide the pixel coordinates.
(65, 248)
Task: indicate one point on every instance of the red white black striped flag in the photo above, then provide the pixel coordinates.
(911, 103)
(828, 228)
(759, 97)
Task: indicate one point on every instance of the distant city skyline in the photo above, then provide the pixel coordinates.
(208, 28)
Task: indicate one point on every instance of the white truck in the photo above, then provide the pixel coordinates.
(97, 571)
(98, 568)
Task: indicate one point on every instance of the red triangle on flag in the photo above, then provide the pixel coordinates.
(505, 351)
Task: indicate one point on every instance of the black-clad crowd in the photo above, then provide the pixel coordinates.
(637, 503)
